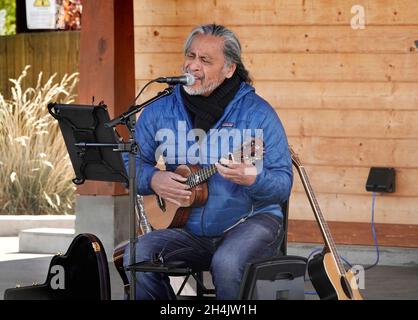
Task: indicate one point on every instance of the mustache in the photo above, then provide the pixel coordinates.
(197, 77)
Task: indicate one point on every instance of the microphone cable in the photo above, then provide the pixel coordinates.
(140, 92)
(189, 78)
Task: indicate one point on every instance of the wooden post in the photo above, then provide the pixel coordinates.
(107, 73)
(107, 70)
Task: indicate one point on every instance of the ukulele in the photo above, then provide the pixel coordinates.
(326, 271)
(163, 214)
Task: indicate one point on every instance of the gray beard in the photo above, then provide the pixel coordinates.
(202, 90)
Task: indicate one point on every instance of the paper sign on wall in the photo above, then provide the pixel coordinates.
(41, 14)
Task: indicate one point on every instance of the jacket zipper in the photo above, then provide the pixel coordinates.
(236, 223)
(240, 220)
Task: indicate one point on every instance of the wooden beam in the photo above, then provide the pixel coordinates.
(106, 66)
(356, 208)
(356, 152)
(273, 12)
(350, 123)
(285, 39)
(357, 233)
(328, 67)
(364, 95)
(352, 180)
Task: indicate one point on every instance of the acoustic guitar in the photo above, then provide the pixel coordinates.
(163, 214)
(326, 271)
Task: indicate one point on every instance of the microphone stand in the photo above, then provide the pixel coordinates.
(129, 120)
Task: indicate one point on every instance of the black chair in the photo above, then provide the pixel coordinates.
(202, 291)
(281, 277)
(275, 278)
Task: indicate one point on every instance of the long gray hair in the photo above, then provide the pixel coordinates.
(232, 47)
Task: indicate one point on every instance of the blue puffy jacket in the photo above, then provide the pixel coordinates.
(228, 202)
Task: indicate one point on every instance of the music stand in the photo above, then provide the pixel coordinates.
(90, 145)
(88, 133)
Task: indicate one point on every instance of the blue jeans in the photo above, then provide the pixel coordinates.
(257, 237)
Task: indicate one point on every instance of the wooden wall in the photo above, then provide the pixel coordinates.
(348, 98)
(49, 52)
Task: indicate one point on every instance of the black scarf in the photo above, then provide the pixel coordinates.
(206, 111)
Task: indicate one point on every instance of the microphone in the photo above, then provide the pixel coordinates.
(187, 79)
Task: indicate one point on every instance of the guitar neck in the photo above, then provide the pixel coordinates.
(201, 176)
(326, 234)
(250, 150)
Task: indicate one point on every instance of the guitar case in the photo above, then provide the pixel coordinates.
(82, 273)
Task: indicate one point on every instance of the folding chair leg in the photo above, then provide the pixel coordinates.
(183, 284)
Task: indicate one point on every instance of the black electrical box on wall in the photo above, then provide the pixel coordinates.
(381, 180)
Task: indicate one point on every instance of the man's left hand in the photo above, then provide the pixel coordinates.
(239, 173)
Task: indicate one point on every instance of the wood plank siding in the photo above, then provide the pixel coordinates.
(348, 98)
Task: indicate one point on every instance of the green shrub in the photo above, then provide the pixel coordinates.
(35, 169)
(7, 17)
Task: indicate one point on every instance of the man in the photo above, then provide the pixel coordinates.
(242, 219)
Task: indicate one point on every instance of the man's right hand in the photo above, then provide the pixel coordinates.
(169, 186)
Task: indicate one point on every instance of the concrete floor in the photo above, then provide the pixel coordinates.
(380, 283)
